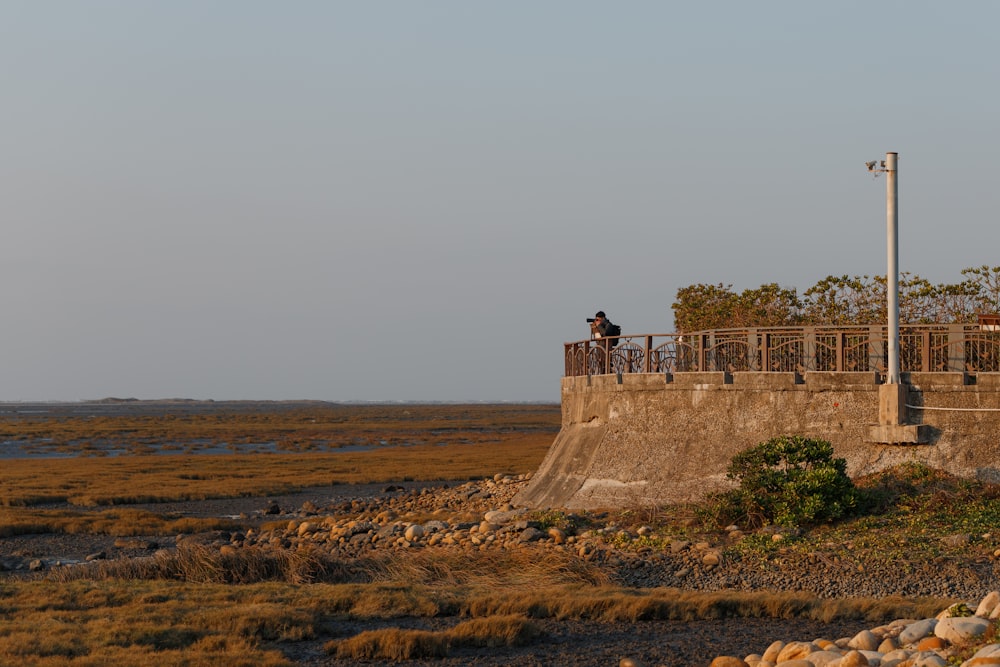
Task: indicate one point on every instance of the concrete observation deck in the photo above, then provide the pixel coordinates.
(649, 433)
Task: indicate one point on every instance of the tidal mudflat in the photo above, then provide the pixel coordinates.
(410, 551)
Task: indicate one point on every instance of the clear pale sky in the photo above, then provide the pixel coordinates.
(423, 200)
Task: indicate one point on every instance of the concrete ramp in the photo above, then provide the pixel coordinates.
(565, 468)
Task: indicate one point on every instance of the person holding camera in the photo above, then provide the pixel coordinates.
(599, 325)
(606, 333)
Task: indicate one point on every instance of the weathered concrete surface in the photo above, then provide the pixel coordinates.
(646, 440)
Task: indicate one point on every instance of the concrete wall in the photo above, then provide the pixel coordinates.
(653, 439)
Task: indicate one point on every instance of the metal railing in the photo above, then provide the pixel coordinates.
(969, 348)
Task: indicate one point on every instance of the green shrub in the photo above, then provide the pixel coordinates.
(787, 481)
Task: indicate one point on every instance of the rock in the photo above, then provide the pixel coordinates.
(530, 534)
(795, 651)
(898, 654)
(273, 508)
(928, 660)
(629, 662)
(864, 641)
(914, 632)
(853, 659)
(988, 651)
(961, 629)
(988, 604)
(888, 645)
(728, 661)
(824, 658)
(502, 517)
(100, 555)
(308, 507)
(931, 644)
(772, 651)
(413, 532)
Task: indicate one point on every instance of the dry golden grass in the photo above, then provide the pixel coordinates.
(167, 622)
(296, 429)
(201, 564)
(516, 439)
(118, 522)
(396, 644)
(91, 482)
(84, 623)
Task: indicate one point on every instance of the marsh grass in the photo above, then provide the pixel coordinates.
(200, 564)
(293, 428)
(84, 623)
(397, 644)
(142, 615)
(95, 482)
(119, 522)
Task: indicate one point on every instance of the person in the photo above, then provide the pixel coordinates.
(599, 325)
(601, 328)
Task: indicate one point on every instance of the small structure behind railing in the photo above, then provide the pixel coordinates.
(967, 348)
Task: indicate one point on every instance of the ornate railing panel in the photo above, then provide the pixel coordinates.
(969, 348)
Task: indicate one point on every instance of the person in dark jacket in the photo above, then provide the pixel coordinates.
(602, 327)
(600, 330)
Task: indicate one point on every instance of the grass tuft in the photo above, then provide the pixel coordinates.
(397, 644)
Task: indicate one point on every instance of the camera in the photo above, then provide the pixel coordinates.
(591, 320)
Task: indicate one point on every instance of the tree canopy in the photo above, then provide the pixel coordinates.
(838, 300)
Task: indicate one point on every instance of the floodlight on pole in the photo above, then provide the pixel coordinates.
(889, 168)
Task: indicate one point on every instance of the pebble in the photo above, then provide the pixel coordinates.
(929, 642)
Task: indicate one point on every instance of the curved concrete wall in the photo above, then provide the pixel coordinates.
(643, 440)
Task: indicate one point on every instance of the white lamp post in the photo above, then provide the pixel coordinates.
(889, 167)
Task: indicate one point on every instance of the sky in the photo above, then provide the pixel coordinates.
(422, 201)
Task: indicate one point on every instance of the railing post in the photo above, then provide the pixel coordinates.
(753, 350)
(875, 340)
(809, 349)
(840, 363)
(765, 352)
(956, 347)
(648, 366)
(925, 351)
